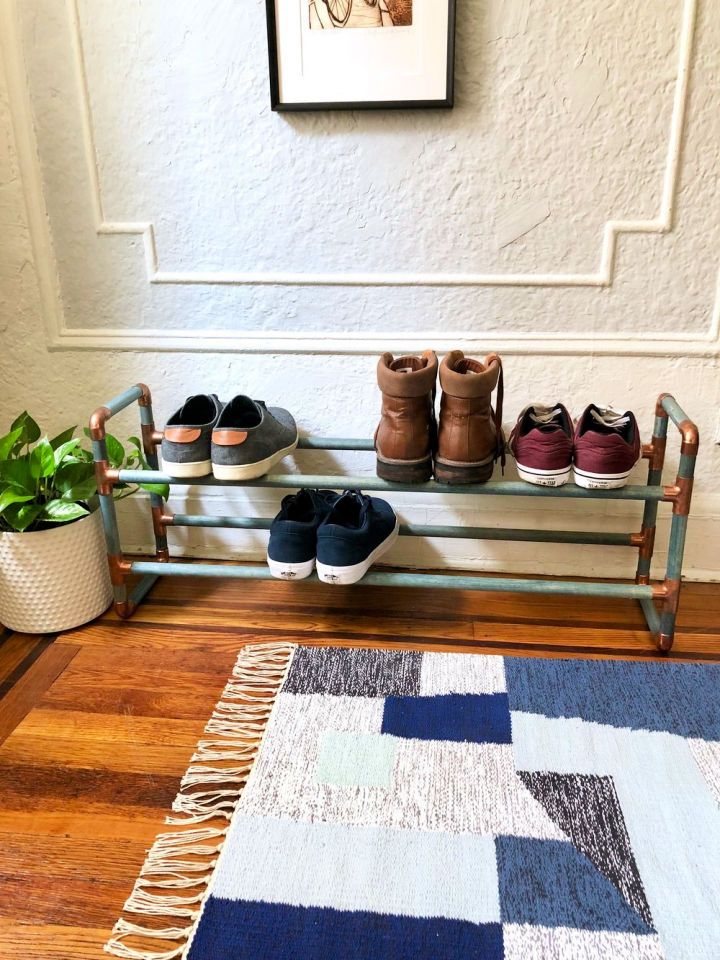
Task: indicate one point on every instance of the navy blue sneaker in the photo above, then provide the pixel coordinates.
(357, 531)
(293, 533)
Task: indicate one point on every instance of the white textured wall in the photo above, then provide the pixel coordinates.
(564, 213)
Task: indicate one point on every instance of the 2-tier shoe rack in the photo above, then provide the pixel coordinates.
(660, 618)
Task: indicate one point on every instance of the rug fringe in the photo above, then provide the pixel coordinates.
(174, 879)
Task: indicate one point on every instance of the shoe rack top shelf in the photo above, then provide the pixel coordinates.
(293, 481)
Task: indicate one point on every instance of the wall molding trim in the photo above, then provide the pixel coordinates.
(60, 336)
(612, 229)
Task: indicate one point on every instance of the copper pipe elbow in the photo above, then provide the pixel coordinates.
(98, 421)
(660, 410)
(690, 438)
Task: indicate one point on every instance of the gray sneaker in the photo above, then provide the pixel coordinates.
(250, 438)
(185, 449)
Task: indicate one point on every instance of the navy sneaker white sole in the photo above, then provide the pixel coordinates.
(543, 478)
(187, 471)
(283, 570)
(342, 576)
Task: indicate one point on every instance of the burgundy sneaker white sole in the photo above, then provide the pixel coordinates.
(600, 481)
(543, 478)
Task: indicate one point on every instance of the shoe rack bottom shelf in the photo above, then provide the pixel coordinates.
(659, 601)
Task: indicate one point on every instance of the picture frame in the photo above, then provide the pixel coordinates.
(327, 54)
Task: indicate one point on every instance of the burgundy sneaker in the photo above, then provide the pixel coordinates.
(542, 444)
(607, 447)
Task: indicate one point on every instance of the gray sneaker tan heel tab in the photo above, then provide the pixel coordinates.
(185, 447)
(249, 438)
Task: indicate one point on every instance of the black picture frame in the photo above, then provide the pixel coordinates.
(446, 102)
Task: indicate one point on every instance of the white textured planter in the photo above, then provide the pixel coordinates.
(52, 580)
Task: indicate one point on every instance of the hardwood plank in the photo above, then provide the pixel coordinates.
(44, 941)
(37, 787)
(97, 755)
(30, 687)
(75, 901)
(104, 821)
(126, 728)
(67, 858)
(16, 650)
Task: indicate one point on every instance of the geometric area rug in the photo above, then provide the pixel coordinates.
(399, 805)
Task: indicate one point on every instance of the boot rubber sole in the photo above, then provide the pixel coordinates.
(405, 471)
(456, 473)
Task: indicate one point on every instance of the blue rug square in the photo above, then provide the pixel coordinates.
(463, 718)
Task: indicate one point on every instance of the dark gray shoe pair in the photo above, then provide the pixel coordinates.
(240, 440)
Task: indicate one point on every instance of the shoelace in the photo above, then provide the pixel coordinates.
(609, 417)
(497, 419)
(544, 418)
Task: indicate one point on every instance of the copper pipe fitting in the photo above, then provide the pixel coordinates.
(690, 438)
(681, 500)
(637, 539)
(145, 399)
(167, 517)
(672, 596)
(124, 608)
(148, 434)
(659, 591)
(642, 579)
(664, 642)
(655, 452)
(157, 521)
(97, 423)
(119, 568)
(103, 481)
(660, 410)
(648, 543)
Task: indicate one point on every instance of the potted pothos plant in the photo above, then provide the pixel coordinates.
(53, 569)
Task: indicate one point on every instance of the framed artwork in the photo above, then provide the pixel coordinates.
(361, 54)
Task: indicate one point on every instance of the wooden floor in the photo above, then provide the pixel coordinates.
(97, 725)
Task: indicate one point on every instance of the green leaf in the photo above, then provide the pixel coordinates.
(21, 515)
(64, 449)
(30, 430)
(42, 460)
(17, 472)
(62, 437)
(13, 495)
(162, 489)
(60, 511)
(135, 441)
(115, 451)
(74, 474)
(81, 491)
(7, 443)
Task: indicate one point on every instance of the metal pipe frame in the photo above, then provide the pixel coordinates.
(660, 619)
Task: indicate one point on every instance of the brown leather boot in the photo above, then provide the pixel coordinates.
(470, 437)
(406, 435)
